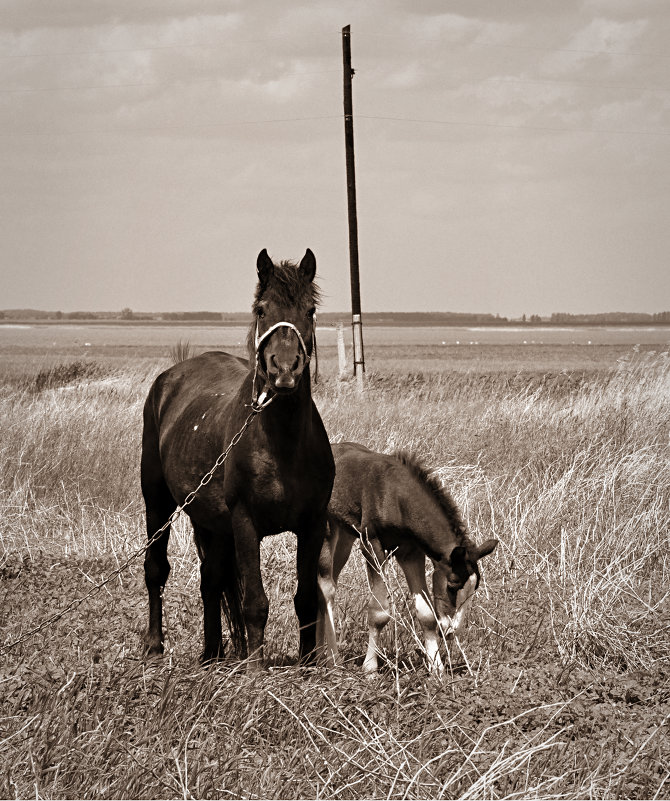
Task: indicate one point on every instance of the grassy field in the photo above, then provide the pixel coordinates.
(559, 687)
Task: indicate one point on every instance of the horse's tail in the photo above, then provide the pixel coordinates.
(231, 604)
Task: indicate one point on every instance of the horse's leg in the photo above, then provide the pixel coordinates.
(414, 568)
(211, 588)
(255, 604)
(334, 555)
(307, 598)
(379, 605)
(159, 506)
(232, 597)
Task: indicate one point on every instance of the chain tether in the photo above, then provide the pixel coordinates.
(257, 407)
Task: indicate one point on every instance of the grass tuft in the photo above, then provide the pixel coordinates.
(181, 351)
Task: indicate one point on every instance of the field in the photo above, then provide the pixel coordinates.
(558, 688)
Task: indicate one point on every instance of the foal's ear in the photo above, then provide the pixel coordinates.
(308, 265)
(264, 267)
(484, 549)
(457, 558)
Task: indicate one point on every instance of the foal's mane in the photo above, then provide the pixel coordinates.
(434, 486)
(288, 288)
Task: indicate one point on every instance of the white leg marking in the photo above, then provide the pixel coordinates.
(463, 601)
(426, 616)
(371, 663)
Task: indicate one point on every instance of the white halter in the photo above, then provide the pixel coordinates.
(264, 399)
(258, 341)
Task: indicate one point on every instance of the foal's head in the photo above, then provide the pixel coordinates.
(455, 557)
(455, 580)
(282, 335)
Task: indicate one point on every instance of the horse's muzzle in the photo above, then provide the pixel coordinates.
(284, 369)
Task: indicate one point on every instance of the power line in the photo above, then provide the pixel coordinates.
(423, 39)
(589, 84)
(192, 82)
(176, 82)
(461, 43)
(385, 118)
(150, 48)
(159, 128)
(513, 126)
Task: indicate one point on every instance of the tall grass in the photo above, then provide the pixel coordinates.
(560, 686)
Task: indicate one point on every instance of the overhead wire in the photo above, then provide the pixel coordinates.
(390, 118)
(177, 82)
(555, 129)
(380, 117)
(365, 34)
(177, 127)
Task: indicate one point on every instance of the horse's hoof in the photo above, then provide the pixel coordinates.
(152, 648)
(308, 659)
(210, 656)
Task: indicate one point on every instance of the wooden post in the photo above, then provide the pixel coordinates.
(356, 321)
(341, 352)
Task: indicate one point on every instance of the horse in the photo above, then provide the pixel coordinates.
(277, 477)
(394, 506)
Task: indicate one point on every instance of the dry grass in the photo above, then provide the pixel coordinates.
(559, 688)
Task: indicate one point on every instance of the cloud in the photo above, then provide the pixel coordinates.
(143, 180)
(591, 43)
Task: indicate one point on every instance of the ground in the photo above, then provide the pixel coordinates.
(559, 686)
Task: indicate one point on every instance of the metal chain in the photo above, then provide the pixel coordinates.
(256, 408)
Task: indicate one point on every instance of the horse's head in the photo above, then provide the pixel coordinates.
(455, 580)
(282, 335)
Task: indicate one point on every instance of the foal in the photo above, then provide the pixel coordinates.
(397, 508)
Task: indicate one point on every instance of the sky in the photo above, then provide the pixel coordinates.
(511, 158)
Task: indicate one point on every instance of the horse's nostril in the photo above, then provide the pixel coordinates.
(296, 363)
(285, 380)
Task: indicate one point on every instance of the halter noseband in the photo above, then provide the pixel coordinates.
(264, 399)
(258, 341)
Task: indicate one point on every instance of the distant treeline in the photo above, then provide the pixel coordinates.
(611, 318)
(413, 319)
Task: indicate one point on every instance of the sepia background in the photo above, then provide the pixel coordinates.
(511, 157)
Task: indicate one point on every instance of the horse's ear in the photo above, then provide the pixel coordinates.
(308, 265)
(484, 549)
(264, 267)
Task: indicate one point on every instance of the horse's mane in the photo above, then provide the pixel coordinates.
(434, 486)
(288, 288)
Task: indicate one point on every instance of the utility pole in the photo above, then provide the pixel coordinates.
(356, 322)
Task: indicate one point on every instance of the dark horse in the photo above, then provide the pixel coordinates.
(394, 506)
(277, 478)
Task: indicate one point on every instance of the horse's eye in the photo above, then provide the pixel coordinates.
(260, 313)
(311, 312)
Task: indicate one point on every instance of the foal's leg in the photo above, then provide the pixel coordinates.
(307, 598)
(159, 506)
(211, 589)
(334, 555)
(378, 605)
(414, 568)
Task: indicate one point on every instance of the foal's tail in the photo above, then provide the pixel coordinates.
(231, 604)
